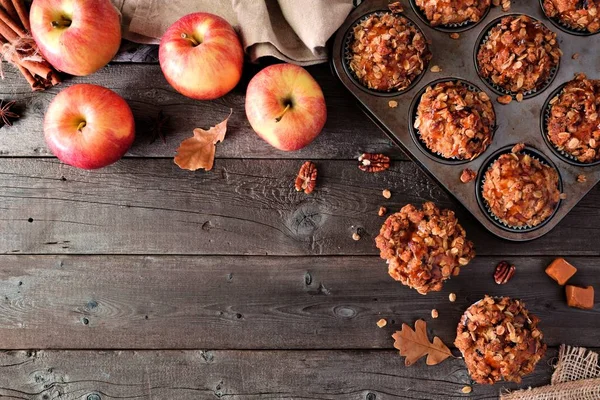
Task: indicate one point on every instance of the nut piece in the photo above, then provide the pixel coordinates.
(356, 236)
(581, 178)
(505, 99)
(452, 297)
(307, 178)
(506, 5)
(455, 36)
(561, 271)
(562, 196)
(575, 56)
(467, 175)
(467, 389)
(517, 148)
(381, 323)
(436, 68)
(373, 162)
(392, 103)
(434, 313)
(396, 7)
(519, 97)
(382, 211)
(386, 193)
(504, 272)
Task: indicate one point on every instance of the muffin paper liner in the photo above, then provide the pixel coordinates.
(563, 154)
(347, 57)
(498, 89)
(463, 26)
(484, 204)
(416, 133)
(566, 27)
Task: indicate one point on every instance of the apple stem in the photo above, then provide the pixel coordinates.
(280, 116)
(62, 23)
(82, 125)
(190, 38)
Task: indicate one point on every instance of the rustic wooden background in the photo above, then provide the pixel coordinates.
(144, 281)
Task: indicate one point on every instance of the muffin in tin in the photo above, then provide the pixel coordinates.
(519, 55)
(499, 340)
(388, 52)
(455, 121)
(573, 125)
(575, 14)
(453, 12)
(423, 248)
(520, 191)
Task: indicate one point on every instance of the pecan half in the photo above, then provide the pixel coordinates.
(307, 178)
(504, 272)
(373, 162)
(467, 175)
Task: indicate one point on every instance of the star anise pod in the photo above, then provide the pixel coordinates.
(6, 115)
(158, 127)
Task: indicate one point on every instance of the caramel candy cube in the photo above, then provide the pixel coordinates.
(561, 271)
(579, 297)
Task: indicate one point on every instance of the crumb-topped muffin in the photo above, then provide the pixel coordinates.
(581, 15)
(499, 339)
(520, 190)
(453, 12)
(573, 125)
(388, 52)
(519, 54)
(455, 121)
(424, 247)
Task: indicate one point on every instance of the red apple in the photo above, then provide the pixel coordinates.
(285, 106)
(201, 56)
(89, 126)
(76, 36)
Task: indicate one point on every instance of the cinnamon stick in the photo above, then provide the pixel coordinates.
(7, 32)
(30, 79)
(21, 9)
(7, 20)
(36, 68)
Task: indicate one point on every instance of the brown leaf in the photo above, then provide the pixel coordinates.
(415, 344)
(199, 151)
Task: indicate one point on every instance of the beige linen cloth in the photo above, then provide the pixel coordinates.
(295, 31)
(576, 377)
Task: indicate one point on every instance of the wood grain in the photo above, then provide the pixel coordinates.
(347, 134)
(131, 302)
(207, 374)
(246, 207)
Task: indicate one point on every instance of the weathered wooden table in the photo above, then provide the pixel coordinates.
(144, 281)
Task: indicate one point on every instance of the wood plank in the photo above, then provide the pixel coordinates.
(241, 207)
(131, 302)
(183, 375)
(347, 134)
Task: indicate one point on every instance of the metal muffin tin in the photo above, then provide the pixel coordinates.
(516, 122)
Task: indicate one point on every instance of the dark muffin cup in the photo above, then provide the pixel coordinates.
(483, 204)
(347, 57)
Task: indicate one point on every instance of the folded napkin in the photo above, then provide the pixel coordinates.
(576, 377)
(295, 31)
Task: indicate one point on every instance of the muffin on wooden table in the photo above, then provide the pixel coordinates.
(573, 124)
(423, 248)
(520, 190)
(388, 52)
(453, 12)
(455, 121)
(575, 14)
(519, 54)
(499, 340)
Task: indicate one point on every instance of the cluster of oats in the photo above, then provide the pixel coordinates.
(453, 12)
(519, 54)
(388, 52)
(455, 121)
(576, 14)
(574, 126)
(425, 247)
(499, 339)
(520, 190)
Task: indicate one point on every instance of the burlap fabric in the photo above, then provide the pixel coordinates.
(292, 30)
(576, 377)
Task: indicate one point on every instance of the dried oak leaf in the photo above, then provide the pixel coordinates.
(199, 151)
(415, 344)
